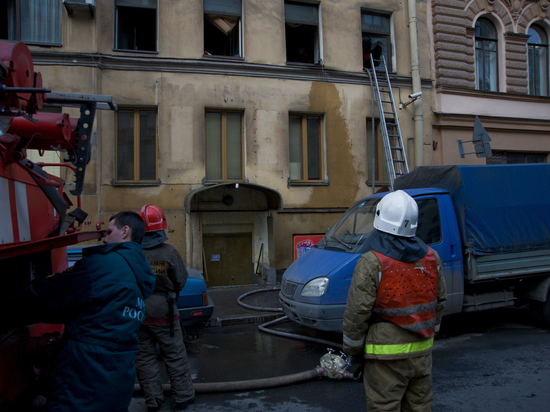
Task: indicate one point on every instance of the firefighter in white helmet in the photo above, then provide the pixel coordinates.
(394, 307)
(161, 324)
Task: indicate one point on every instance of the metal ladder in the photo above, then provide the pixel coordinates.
(394, 150)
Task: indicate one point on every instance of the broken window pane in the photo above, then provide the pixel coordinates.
(222, 28)
(375, 30)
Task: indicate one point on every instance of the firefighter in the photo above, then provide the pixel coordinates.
(394, 307)
(161, 325)
(101, 302)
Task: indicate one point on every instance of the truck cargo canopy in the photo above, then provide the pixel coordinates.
(499, 208)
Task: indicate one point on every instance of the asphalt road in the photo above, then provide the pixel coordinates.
(494, 361)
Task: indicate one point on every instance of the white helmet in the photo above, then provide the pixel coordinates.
(397, 214)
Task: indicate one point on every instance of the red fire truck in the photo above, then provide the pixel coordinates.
(38, 220)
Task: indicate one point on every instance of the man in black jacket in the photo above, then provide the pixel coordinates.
(161, 325)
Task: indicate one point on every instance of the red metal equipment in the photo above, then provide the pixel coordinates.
(38, 219)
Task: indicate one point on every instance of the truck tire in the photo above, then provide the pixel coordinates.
(541, 312)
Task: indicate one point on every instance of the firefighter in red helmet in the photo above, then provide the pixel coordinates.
(394, 307)
(161, 324)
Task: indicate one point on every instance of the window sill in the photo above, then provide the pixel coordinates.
(37, 44)
(312, 183)
(217, 182)
(298, 64)
(221, 57)
(377, 184)
(137, 51)
(145, 184)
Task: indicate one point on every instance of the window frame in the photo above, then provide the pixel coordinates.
(388, 35)
(14, 29)
(381, 176)
(240, 30)
(482, 49)
(534, 81)
(131, 4)
(304, 161)
(504, 155)
(136, 142)
(224, 152)
(317, 46)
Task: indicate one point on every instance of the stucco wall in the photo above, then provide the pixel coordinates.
(182, 83)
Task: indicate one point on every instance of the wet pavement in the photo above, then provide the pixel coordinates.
(231, 348)
(493, 361)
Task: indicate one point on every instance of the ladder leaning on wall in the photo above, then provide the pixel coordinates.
(392, 140)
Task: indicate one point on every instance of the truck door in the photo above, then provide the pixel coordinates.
(433, 229)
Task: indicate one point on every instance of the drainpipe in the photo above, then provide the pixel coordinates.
(415, 74)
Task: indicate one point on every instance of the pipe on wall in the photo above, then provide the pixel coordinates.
(415, 74)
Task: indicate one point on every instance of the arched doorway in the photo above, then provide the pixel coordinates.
(230, 231)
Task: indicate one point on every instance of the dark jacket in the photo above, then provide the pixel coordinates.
(170, 274)
(101, 301)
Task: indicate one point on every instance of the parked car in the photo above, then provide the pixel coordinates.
(194, 304)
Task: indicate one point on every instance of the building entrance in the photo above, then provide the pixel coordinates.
(228, 259)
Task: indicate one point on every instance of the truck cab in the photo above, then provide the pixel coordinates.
(314, 288)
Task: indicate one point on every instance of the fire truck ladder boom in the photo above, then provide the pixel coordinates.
(88, 103)
(392, 140)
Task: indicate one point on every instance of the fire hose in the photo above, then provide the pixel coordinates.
(331, 365)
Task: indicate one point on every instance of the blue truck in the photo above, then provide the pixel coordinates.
(490, 225)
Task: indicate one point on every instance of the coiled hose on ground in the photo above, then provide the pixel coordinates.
(255, 384)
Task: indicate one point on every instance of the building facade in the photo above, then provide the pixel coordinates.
(248, 121)
(491, 60)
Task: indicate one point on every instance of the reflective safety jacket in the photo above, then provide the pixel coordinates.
(381, 338)
(407, 295)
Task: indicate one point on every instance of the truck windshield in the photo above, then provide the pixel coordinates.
(352, 228)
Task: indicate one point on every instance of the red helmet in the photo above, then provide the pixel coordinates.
(154, 218)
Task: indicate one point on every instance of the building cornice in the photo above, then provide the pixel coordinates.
(211, 67)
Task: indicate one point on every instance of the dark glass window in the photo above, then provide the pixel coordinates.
(486, 55)
(302, 33)
(537, 47)
(429, 221)
(136, 25)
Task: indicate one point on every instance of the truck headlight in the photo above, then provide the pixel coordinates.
(315, 288)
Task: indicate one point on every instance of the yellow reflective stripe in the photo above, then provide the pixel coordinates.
(398, 348)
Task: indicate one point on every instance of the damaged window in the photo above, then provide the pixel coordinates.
(31, 21)
(306, 148)
(224, 145)
(136, 25)
(222, 28)
(136, 145)
(375, 29)
(302, 33)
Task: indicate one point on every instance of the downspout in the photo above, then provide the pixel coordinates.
(416, 87)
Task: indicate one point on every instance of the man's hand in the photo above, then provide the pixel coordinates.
(356, 363)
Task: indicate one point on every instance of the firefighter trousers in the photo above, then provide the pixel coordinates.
(399, 385)
(174, 355)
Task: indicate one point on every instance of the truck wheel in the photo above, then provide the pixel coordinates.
(541, 312)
